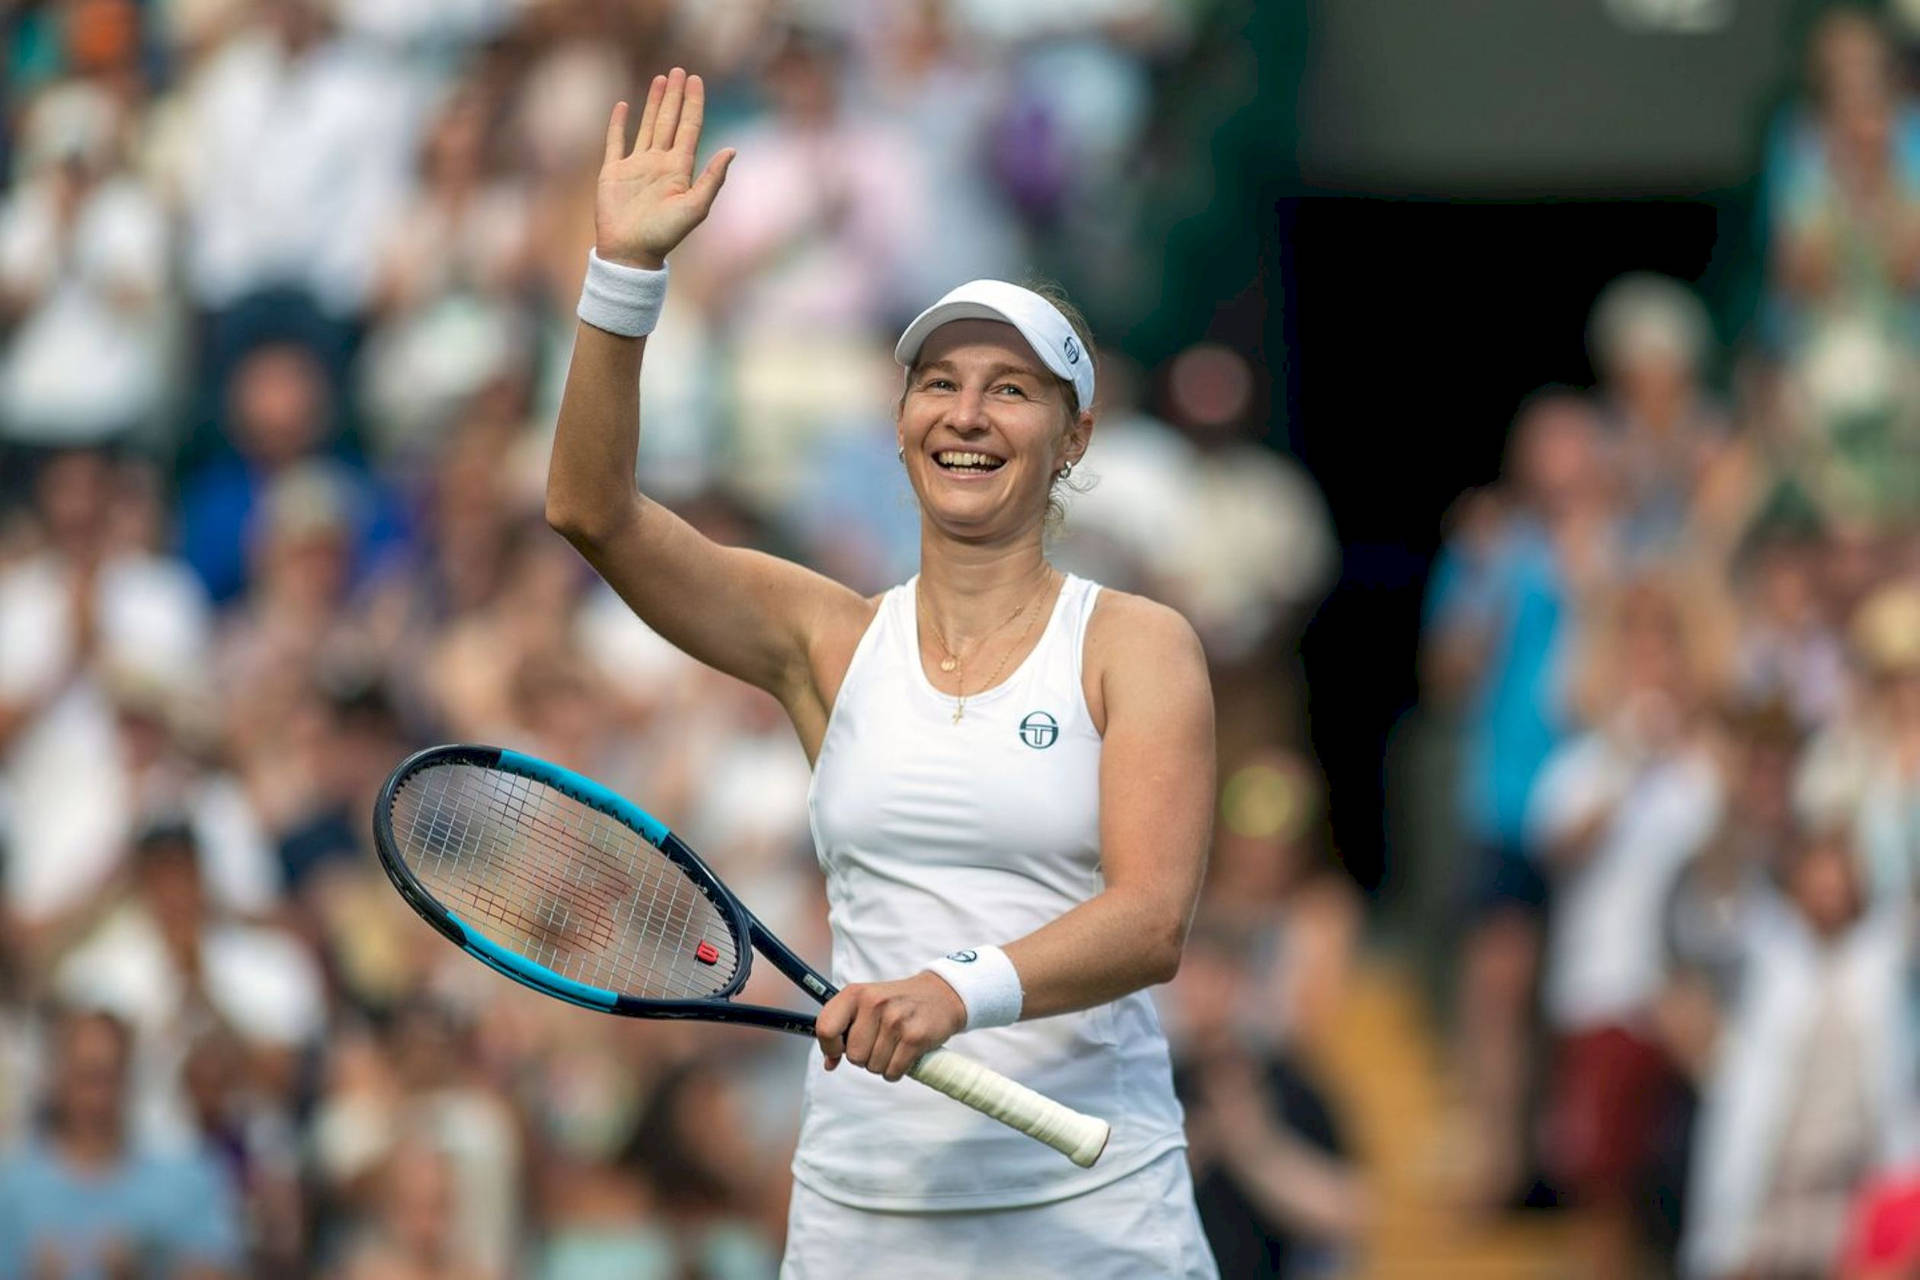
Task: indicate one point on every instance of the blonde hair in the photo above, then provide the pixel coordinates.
(1703, 622)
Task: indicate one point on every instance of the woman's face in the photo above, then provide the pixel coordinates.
(985, 426)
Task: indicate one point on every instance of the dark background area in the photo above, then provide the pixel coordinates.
(1413, 331)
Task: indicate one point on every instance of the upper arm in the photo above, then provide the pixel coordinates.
(1154, 705)
(749, 614)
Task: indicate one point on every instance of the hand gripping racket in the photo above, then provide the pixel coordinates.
(560, 884)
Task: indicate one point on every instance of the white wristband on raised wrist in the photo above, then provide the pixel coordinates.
(622, 300)
(987, 983)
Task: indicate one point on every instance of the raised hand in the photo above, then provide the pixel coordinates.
(648, 199)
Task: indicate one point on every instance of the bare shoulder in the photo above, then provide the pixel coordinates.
(1128, 628)
(1140, 649)
(836, 634)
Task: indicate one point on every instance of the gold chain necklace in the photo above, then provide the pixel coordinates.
(952, 662)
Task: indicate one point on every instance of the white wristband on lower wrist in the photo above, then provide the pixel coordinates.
(987, 983)
(622, 300)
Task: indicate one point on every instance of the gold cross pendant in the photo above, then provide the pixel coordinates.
(958, 709)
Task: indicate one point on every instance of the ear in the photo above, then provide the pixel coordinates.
(1079, 436)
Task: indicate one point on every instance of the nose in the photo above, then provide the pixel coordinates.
(969, 412)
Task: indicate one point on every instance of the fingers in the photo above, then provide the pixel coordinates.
(667, 123)
(616, 134)
(711, 179)
(878, 1028)
(830, 1028)
(656, 92)
(687, 138)
(861, 1036)
(905, 1054)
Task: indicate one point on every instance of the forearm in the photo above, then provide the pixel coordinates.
(1292, 1183)
(596, 440)
(1108, 946)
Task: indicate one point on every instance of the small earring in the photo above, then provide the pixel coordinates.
(901, 453)
(1066, 469)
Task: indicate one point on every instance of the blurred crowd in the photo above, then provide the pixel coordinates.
(1673, 654)
(286, 296)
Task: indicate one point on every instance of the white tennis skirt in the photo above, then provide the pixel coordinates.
(1142, 1227)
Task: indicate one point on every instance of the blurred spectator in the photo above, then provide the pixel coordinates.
(1273, 878)
(167, 964)
(416, 1235)
(1715, 896)
(1256, 552)
(1845, 180)
(692, 1167)
(1126, 520)
(1788, 648)
(85, 1201)
(428, 1085)
(83, 282)
(946, 94)
(1845, 213)
(76, 617)
(1813, 1087)
(453, 272)
(1273, 1173)
(282, 415)
(803, 263)
(1615, 815)
(1649, 339)
(1865, 770)
(1706, 922)
(1503, 598)
(298, 152)
(238, 1117)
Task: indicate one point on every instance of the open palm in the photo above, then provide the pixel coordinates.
(648, 199)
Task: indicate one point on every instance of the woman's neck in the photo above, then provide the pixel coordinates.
(970, 589)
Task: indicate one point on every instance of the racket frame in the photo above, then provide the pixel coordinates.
(749, 934)
(1080, 1138)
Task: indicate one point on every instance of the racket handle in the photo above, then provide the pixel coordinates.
(1079, 1138)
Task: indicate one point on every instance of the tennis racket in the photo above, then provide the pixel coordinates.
(558, 883)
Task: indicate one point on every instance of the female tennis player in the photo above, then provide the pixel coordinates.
(1013, 770)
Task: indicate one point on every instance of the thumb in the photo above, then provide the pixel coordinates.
(708, 185)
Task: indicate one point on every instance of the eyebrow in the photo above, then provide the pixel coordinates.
(993, 371)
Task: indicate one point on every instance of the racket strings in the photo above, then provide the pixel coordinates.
(561, 883)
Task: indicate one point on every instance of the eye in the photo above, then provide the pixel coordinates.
(1014, 387)
(937, 384)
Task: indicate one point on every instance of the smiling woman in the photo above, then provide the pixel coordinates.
(1013, 768)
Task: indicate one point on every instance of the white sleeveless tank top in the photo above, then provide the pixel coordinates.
(936, 835)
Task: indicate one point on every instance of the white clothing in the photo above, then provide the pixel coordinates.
(261, 981)
(1143, 1227)
(1259, 539)
(1851, 773)
(1748, 1102)
(296, 167)
(88, 360)
(935, 836)
(69, 801)
(1604, 952)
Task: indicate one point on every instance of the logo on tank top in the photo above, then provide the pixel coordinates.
(1039, 730)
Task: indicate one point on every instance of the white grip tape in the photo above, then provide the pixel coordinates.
(1079, 1138)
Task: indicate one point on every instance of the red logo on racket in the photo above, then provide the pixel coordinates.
(707, 953)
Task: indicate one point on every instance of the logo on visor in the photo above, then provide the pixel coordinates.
(1073, 351)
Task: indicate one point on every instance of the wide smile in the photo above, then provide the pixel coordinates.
(967, 464)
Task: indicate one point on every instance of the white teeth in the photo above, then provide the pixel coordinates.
(963, 458)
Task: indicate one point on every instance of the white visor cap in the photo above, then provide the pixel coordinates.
(1038, 321)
